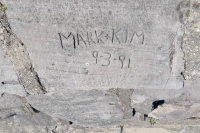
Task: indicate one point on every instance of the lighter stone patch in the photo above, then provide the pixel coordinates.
(137, 99)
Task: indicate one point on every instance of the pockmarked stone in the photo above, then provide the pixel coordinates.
(101, 44)
(90, 108)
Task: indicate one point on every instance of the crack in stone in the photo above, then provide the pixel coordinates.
(121, 129)
(16, 51)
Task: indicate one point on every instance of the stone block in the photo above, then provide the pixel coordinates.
(88, 45)
(89, 108)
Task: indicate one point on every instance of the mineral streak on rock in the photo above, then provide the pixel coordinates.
(15, 50)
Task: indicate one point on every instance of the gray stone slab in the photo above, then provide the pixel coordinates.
(10, 101)
(171, 112)
(176, 111)
(90, 108)
(8, 126)
(38, 119)
(142, 100)
(101, 44)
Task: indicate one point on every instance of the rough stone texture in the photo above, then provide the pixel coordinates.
(99, 61)
(38, 119)
(191, 42)
(171, 112)
(90, 108)
(15, 50)
(142, 100)
(124, 101)
(8, 80)
(183, 107)
(102, 44)
(8, 126)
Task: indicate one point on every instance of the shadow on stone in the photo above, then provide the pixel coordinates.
(133, 112)
(155, 104)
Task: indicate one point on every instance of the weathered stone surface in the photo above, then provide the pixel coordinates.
(15, 50)
(94, 130)
(10, 101)
(101, 44)
(66, 67)
(124, 101)
(142, 100)
(170, 112)
(8, 126)
(10, 112)
(145, 130)
(192, 88)
(191, 42)
(195, 108)
(24, 117)
(186, 105)
(91, 108)
(176, 112)
(38, 119)
(8, 80)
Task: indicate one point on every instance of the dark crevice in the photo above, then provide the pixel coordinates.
(9, 82)
(145, 116)
(54, 130)
(183, 74)
(35, 110)
(42, 87)
(11, 115)
(2, 94)
(122, 128)
(155, 104)
(133, 112)
(47, 130)
(38, 80)
(70, 123)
